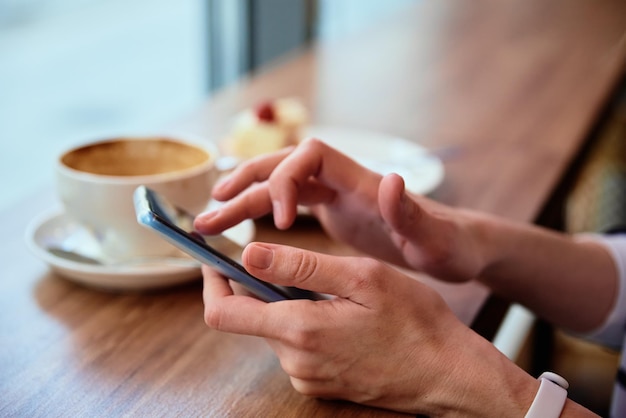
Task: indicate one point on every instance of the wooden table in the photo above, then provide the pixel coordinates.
(514, 85)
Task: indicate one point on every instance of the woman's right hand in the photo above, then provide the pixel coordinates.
(354, 205)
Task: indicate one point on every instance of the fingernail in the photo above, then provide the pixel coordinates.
(204, 218)
(207, 215)
(260, 257)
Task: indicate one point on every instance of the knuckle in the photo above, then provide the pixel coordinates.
(303, 338)
(372, 277)
(312, 143)
(279, 179)
(304, 266)
(372, 265)
(313, 146)
(307, 388)
(301, 365)
(247, 165)
(252, 168)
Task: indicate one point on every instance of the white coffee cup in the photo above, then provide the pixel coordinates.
(96, 181)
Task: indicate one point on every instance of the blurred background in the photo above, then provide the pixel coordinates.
(75, 70)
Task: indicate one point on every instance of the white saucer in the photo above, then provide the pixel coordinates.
(422, 171)
(53, 228)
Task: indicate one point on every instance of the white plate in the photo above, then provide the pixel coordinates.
(383, 153)
(53, 228)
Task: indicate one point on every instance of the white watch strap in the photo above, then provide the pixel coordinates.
(550, 398)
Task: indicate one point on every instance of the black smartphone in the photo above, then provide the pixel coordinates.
(176, 226)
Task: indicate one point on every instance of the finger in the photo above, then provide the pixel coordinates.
(241, 315)
(251, 171)
(322, 388)
(251, 204)
(397, 209)
(215, 285)
(351, 278)
(416, 227)
(312, 159)
(225, 311)
(405, 217)
(313, 193)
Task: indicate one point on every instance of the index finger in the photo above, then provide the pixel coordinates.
(313, 159)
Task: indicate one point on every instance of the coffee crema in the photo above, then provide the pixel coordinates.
(135, 157)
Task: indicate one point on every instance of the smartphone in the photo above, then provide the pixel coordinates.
(176, 226)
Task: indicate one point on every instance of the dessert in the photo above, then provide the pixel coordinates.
(269, 126)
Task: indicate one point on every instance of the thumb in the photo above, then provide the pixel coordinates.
(398, 210)
(426, 233)
(346, 277)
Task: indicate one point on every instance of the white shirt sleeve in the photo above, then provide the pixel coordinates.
(611, 332)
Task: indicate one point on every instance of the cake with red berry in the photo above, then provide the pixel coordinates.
(269, 126)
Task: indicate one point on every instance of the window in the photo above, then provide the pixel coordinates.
(76, 70)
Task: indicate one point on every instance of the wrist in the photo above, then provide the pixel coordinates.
(485, 235)
(482, 382)
(550, 398)
(503, 244)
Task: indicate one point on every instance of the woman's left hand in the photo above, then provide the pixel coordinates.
(385, 339)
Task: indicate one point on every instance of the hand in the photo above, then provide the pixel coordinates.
(341, 193)
(385, 340)
(354, 205)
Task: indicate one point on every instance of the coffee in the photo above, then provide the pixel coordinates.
(96, 182)
(129, 157)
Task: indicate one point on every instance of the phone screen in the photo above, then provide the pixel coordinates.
(176, 226)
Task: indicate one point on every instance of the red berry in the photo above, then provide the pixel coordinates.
(265, 112)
